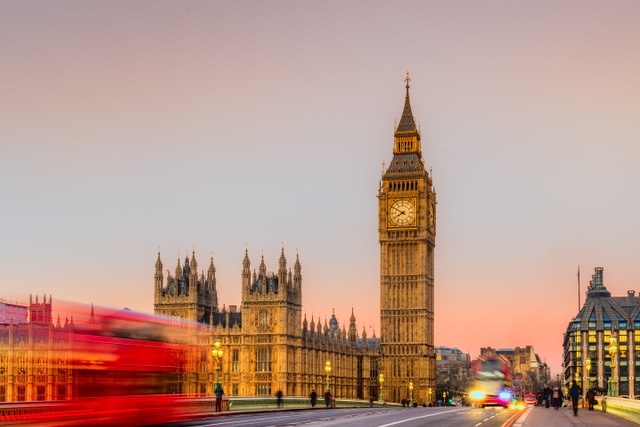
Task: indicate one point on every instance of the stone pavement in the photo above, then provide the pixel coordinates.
(540, 416)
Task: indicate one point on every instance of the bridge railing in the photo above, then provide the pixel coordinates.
(626, 408)
(293, 402)
(124, 410)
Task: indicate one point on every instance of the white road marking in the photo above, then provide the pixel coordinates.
(417, 418)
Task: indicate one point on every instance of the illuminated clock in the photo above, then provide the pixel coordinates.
(402, 212)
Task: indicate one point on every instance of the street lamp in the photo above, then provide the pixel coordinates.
(587, 368)
(444, 398)
(411, 393)
(216, 352)
(381, 380)
(429, 396)
(327, 369)
(613, 349)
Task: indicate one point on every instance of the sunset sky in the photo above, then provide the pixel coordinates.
(219, 126)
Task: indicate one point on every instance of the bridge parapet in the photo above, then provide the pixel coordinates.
(293, 402)
(626, 408)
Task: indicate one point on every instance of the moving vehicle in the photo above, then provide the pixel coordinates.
(492, 380)
(126, 369)
(530, 399)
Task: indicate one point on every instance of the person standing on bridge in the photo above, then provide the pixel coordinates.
(575, 392)
(327, 398)
(219, 392)
(314, 397)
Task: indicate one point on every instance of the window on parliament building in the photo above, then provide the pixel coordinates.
(235, 358)
(263, 389)
(263, 360)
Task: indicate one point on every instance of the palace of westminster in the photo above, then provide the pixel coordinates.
(269, 346)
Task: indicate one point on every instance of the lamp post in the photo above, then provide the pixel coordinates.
(381, 380)
(411, 394)
(327, 369)
(429, 396)
(216, 352)
(587, 377)
(613, 349)
(444, 398)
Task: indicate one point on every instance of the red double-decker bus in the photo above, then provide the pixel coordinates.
(492, 381)
(127, 369)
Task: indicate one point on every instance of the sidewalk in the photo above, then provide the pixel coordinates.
(540, 416)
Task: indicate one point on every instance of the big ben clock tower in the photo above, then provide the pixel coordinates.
(407, 230)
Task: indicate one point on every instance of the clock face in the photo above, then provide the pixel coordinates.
(402, 212)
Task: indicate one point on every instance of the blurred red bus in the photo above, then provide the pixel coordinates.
(127, 369)
(530, 399)
(492, 380)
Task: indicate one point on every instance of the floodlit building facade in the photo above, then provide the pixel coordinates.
(268, 345)
(407, 231)
(602, 342)
(34, 366)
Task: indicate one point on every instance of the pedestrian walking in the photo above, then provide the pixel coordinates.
(279, 398)
(314, 397)
(575, 392)
(546, 393)
(556, 395)
(591, 398)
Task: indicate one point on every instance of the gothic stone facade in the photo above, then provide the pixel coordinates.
(266, 348)
(267, 344)
(34, 362)
(407, 229)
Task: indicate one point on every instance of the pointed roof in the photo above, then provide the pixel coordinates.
(407, 148)
(601, 311)
(407, 123)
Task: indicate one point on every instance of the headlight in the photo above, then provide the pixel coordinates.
(505, 395)
(477, 394)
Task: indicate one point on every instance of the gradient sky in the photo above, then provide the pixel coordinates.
(128, 126)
